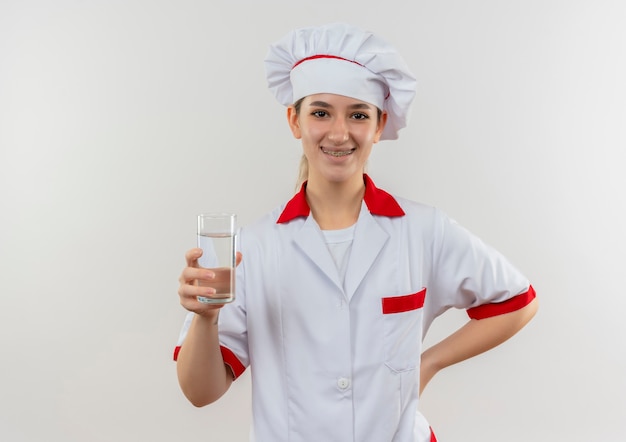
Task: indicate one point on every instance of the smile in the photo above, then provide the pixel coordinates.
(338, 153)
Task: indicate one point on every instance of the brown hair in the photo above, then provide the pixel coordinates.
(303, 169)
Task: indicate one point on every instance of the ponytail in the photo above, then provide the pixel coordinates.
(303, 172)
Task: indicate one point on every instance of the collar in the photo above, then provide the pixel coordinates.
(378, 202)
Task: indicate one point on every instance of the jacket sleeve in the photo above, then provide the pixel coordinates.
(469, 274)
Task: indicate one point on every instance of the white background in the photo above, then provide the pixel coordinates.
(121, 120)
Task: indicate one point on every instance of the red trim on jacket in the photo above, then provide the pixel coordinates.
(406, 303)
(500, 308)
(229, 359)
(432, 436)
(378, 202)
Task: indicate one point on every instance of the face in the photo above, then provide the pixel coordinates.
(337, 134)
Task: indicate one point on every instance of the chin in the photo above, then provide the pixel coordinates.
(341, 176)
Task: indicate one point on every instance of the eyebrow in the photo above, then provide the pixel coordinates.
(328, 106)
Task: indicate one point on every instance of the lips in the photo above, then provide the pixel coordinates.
(338, 153)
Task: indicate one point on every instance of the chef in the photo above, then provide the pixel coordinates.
(337, 287)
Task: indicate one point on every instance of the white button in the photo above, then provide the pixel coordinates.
(343, 383)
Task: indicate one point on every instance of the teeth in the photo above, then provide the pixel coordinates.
(341, 153)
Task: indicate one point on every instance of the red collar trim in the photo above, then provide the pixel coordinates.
(378, 202)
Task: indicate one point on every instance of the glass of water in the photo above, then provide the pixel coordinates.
(217, 239)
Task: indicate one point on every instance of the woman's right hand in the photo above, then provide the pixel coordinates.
(202, 374)
(198, 281)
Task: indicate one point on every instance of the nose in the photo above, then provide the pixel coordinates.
(338, 132)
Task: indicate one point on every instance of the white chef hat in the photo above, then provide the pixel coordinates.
(341, 59)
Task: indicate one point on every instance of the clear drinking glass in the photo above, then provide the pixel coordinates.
(217, 237)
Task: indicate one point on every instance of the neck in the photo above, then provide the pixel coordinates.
(335, 205)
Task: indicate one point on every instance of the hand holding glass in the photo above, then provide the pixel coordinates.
(217, 239)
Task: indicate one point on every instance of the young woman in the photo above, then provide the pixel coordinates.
(337, 287)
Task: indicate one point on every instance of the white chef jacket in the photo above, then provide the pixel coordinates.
(340, 362)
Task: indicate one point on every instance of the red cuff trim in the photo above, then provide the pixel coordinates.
(399, 304)
(231, 360)
(500, 308)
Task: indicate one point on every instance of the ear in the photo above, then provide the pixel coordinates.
(381, 126)
(294, 123)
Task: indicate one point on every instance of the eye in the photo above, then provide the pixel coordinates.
(319, 113)
(360, 116)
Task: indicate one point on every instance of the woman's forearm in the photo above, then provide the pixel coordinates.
(474, 338)
(202, 375)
